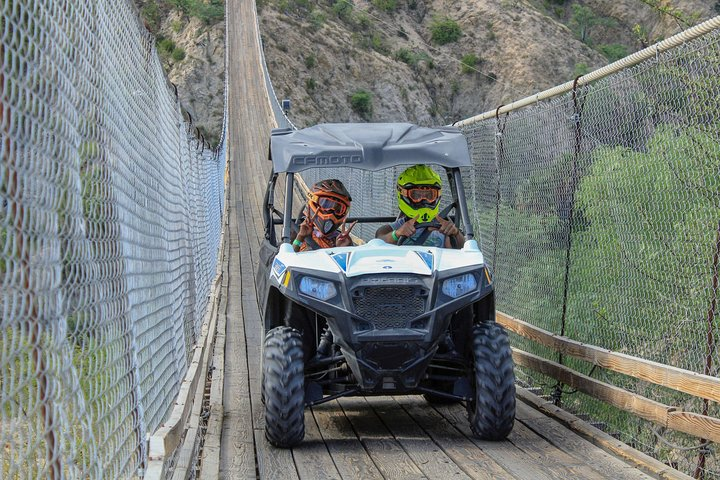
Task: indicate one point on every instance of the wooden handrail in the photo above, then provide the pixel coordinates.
(696, 384)
(701, 426)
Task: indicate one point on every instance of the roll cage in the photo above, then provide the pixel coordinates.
(366, 146)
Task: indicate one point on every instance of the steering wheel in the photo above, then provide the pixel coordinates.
(431, 224)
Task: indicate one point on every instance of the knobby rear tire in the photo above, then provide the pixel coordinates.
(492, 411)
(283, 387)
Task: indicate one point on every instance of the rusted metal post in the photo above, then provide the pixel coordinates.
(577, 119)
(499, 154)
(702, 456)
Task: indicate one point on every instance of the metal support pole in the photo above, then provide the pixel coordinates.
(462, 204)
(288, 207)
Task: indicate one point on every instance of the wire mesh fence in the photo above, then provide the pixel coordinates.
(599, 213)
(109, 229)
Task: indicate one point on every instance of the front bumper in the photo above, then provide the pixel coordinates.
(388, 326)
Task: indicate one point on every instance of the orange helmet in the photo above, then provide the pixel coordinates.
(328, 205)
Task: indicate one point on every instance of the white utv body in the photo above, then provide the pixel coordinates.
(377, 319)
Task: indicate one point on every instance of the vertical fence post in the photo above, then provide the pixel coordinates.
(499, 154)
(577, 120)
(700, 469)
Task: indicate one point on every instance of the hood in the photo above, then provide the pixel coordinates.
(377, 256)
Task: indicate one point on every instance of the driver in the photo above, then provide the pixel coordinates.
(419, 189)
(325, 214)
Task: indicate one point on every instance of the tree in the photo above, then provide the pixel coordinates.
(584, 19)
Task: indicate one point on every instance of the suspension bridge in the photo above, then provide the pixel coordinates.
(131, 335)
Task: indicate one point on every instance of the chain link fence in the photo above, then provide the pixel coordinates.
(110, 217)
(599, 213)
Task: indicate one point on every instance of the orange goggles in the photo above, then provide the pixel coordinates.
(428, 194)
(330, 205)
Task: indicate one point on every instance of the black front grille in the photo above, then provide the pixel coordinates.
(389, 306)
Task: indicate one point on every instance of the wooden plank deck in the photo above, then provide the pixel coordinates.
(364, 438)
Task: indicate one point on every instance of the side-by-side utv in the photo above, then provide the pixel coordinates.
(375, 318)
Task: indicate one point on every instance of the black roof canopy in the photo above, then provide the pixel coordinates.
(368, 146)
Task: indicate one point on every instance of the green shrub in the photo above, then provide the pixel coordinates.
(361, 103)
(343, 10)
(165, 46)
(363, 20)
(385, 5)
(413, 58)
(169, 51)
(310, 61)
(317, 18)
(613, 51)
(151, 13)
(406, 56)
(178, 54)
(468, 63)
(177, 26)
(444, 30)
(310, 84)
(378, 44)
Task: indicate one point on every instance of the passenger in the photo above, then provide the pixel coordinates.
(325, 214)
(419, 190)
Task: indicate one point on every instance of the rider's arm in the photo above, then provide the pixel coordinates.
(297, 240)
(459, 240)
(385, 233)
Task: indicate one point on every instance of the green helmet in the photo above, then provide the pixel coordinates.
(418, 193)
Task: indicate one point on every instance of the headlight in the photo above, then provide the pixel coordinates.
(316, 288)
(458, 286)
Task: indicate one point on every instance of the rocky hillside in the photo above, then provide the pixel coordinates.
(190, 37)
(438, 61)
(425, 61)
